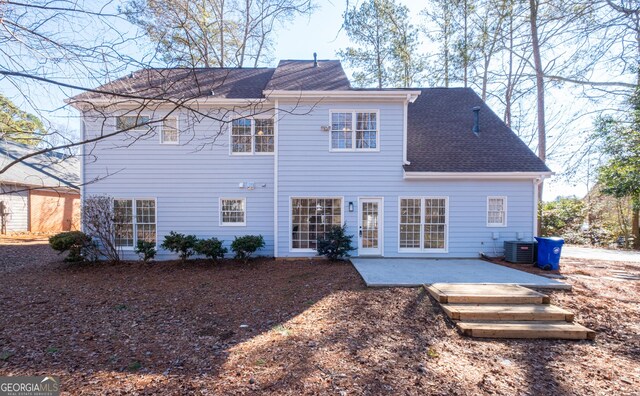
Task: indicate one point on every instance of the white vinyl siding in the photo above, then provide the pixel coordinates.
(312, 218)
(496, 211)
(170, 134)
(135, 220)
(252, 136)
(233, 212)
(424, 223)
(354, 131)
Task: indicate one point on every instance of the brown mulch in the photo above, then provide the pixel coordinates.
(301, 327)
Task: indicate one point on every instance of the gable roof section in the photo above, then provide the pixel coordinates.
(303, 75)
(440, 137)
(183, 83)
(49, 170)
(227, 83)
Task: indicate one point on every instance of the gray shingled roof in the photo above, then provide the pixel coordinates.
(180, 83)
(229, 83)
(440, 137)
(302, 75)
(50, 170)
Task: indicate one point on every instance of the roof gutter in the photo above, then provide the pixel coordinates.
(345, 94)
(475, 175)
(81, 104)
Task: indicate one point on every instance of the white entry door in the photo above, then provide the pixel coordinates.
(370, 227)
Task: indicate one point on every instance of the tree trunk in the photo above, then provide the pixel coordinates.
(635, 222)
(535, 44)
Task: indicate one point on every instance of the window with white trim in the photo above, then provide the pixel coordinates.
(134, 220)
(138, 123)
(496, 211)
(170, 133)
(312, 218)
(252, 136)
(424, 223)
(232, 211)
(354, 131)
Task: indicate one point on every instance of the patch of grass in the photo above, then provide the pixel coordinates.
(121, 307)
(52, 350)
(260, 362)
(5, 355)
(134, 366)
(282, 330)
(432, 353)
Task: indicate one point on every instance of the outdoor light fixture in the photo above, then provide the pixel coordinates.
(350, 206)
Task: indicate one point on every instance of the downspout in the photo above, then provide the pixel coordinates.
(536, 202)
(275, 180)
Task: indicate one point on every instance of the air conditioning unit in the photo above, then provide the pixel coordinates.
(520, 252)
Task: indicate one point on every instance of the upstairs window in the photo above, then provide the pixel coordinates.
(252, 136)
(169, 133)
(138, 123)
(354, 131)
(496, 211)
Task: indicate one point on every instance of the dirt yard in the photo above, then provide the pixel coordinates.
(291, 328)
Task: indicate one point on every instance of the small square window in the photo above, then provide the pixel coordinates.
(232, 211)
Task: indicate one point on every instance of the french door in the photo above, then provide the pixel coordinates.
(370, 235)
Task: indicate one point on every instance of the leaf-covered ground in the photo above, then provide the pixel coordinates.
(293, 327)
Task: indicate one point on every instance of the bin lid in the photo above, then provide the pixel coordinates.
(552, 239)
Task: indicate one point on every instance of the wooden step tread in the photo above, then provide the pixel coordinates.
(510, 312)
(520, 329)
(485, 294)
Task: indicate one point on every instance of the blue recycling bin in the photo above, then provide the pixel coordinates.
(549, 250)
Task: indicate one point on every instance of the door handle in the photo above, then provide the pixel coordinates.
(360, 231)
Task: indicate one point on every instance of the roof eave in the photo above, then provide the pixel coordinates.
(344, 94)
(82, 104)
(475, 175)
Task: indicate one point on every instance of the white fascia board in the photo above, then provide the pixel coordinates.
(124, 102)
(475, 175)
(390, 94)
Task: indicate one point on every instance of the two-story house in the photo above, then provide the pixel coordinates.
(288, 152)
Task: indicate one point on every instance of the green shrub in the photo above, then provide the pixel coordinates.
(335, 244)
(210, 248)
(73, 241)
(245, 246)
(146, 250)
(180, 243)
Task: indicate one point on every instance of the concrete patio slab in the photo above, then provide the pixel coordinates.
(393, 272)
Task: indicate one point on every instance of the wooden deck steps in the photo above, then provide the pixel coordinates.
(513, 329)
(506, 311)
(522, 312)
(485, 294)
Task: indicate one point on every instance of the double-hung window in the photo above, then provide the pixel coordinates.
(233, 212)
(496, 211)
(252, 136)
(138, 123)
(170, 133)
(355, 131)
(134, 220)
(312, 218)
(424, 223)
